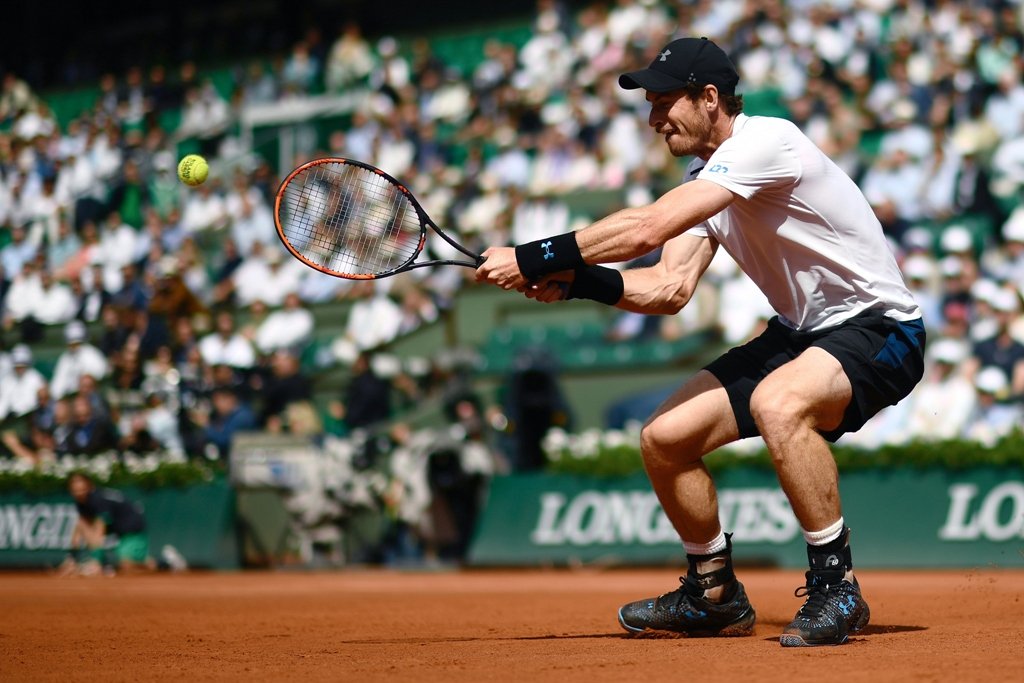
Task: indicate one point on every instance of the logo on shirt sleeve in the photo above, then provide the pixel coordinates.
(718, 168)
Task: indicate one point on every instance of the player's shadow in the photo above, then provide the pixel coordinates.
(869, 630)
(474, 639)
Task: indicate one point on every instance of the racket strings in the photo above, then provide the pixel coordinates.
(349, 220)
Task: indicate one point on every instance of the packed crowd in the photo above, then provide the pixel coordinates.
(920, 102)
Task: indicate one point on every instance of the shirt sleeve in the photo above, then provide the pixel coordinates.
(756, 159)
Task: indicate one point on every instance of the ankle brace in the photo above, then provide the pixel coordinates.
(832, 556)
(718, 577)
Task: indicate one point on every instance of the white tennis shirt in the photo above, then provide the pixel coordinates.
(800, 228)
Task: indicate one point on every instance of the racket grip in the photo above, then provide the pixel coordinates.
(480, 260)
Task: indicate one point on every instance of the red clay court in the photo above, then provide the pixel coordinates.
(555, 625)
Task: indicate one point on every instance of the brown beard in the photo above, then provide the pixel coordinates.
(697, 138)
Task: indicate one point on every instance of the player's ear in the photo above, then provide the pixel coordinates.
(710, 97)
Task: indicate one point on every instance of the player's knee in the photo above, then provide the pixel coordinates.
(653, 446)
(777, 410)
(662, 447)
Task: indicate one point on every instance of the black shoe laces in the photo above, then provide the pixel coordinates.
(816, 596)
(816, 592)
(688, 588)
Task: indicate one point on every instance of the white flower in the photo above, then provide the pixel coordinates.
(613, 438)
(555, 440)
(588, 445)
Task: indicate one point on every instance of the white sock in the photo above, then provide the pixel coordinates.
(825, 536)
(716, 545)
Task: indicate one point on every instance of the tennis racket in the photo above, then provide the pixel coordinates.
(352, 220)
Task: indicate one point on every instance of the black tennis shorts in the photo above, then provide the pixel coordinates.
(883, 359)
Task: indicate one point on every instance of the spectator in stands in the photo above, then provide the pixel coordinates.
(16, 97)
(130, 197)
(132, 294)
(79, 358)
(41, 212)
(155, 427)
(1001, 350)
(956, 241)
(919, 273)
(117, 247)
(418, 308)
(288, 397)
(48, 427)
(991, 418)
(251, 217)
(247, 283)
(19, 390)
(205, 114)
(38, 299)
(192, 268)
(229, 415)
(60, 251)
(367, 398)
(942, 403)
(90, 389)
(373, 320)
(25, 289)
(90, 434)
(350, 62)
(225, 346)
(204, 210)
(290, 327)
(123, 393)
(172, 300)
(301, 70)
(1013, 237)
(18, 251)
(228, 261)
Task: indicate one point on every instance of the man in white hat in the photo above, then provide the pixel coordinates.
(942, 402)
(19, 391)
(79, 358)
(1013, 236)
(1001, 350)
(992, 418)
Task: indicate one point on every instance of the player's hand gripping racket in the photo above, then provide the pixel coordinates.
(351, 220)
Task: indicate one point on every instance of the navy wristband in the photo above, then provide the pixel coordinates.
(550, 255)
(597, 283)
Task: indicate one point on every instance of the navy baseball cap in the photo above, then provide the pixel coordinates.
(682, 62)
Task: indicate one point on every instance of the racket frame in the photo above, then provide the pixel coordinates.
(421, 215)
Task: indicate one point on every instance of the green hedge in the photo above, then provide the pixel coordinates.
(143, 472)
(617, 454)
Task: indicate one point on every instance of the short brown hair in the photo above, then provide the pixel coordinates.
(732, 104)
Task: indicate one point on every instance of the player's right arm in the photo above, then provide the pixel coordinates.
(663, 288)
(668, 285)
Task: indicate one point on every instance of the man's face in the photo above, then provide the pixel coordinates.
(683, 123)
(79, 488)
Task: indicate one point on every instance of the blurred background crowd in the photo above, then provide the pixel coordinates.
(183, 321)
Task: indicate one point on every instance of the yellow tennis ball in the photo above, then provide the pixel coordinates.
(193, 169)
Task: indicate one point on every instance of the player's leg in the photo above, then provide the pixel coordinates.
(694, 421)
(832, 387)
(691, 423)
(790, 406)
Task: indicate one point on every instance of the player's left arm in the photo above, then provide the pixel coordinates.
(663, 288)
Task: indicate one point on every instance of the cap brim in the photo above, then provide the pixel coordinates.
(649, 79)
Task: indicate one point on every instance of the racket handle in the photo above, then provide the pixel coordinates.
(480, 260)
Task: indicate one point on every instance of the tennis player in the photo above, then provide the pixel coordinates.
(848, 339)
